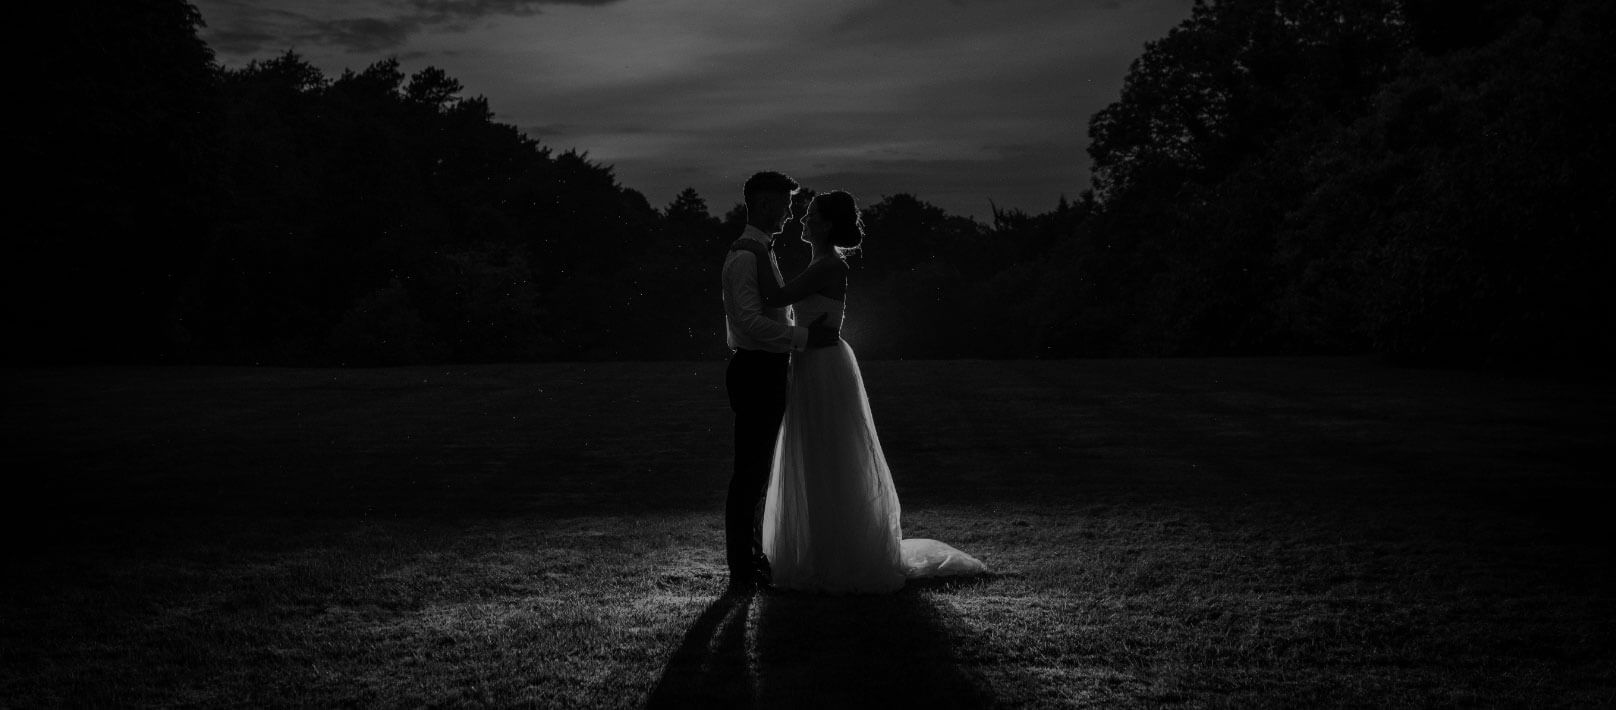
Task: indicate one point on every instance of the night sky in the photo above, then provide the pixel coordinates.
(958, 102)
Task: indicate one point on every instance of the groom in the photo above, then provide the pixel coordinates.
(763, 339)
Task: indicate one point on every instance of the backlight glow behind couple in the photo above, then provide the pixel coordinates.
(805, 441)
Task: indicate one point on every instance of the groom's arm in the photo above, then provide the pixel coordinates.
(745, 306)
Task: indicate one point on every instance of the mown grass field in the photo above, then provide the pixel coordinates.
(1242, 532)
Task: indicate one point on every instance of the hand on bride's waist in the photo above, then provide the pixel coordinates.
(821, 335)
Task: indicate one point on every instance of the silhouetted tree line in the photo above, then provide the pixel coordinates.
(1423, 178)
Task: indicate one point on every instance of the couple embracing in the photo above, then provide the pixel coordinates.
(805, 443)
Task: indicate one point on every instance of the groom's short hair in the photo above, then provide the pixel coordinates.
(767, 182)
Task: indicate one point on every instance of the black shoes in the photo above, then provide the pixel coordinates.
(756, 576)
(761, 571)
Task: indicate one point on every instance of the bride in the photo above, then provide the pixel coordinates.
(830, 518)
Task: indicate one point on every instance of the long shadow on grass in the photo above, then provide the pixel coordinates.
(710, 668)
(821, 651)
(861, 651)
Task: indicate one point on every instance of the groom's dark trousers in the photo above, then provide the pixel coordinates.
(757, 392)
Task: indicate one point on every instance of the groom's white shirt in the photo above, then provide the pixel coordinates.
(747, 323)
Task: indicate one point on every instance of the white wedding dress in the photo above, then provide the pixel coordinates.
(830, 520)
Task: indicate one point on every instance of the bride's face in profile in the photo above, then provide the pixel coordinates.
(814, 224)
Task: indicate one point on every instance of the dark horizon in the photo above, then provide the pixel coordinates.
(1336, 180)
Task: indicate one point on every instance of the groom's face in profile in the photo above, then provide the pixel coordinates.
(785, 212)
(776, 209)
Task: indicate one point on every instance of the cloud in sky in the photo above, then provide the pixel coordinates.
(957, 102)
(249, 27)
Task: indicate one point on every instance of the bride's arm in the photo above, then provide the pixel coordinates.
(812, 280)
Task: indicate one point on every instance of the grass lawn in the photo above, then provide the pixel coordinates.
(1240, 532)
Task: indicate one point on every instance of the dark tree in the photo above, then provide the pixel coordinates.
(1329, 176)
(376, 218)
(1461, 221)
(118, 179)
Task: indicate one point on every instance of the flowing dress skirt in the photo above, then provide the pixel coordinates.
(831, 516)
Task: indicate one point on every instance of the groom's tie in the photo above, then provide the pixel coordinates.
(774, 266)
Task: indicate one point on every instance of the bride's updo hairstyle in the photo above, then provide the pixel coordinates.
(846, 226)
